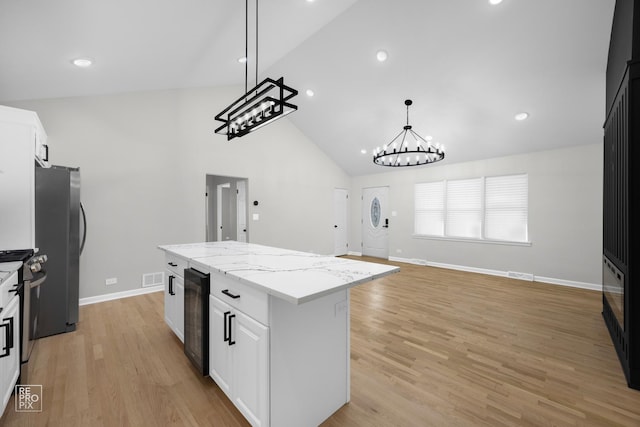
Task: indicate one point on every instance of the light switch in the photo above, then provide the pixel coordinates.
(256, 217)
(394, 213)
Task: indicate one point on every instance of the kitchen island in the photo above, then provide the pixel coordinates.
(278, 326)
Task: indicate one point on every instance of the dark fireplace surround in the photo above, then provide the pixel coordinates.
(621, 194)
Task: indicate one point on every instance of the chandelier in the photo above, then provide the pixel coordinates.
(408, 148)
(265, 103)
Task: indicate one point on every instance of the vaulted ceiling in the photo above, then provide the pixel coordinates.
(468, 66)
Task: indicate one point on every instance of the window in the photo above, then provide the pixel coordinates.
(429, 209)
(464, 208)
(506, 209)
(487, 208)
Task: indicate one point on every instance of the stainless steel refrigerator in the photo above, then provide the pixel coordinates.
(60, 233)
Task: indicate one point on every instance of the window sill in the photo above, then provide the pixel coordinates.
(462, 239)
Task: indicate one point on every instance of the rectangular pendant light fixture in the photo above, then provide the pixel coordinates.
(264, 104)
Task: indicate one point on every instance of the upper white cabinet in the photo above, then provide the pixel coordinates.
(23, 142)
(41, 146)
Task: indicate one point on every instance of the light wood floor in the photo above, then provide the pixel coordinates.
(429, 347)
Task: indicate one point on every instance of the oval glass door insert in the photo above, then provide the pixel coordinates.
(375, 212)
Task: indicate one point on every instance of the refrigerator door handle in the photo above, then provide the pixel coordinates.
(84, 228)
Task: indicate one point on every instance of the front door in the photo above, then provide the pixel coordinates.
(375, 222)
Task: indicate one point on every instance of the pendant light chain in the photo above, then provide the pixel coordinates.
(246, 44)
(257, 50)
(407, 114)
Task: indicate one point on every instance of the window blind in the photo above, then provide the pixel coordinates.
(506, 208)
(429, 208)
(485, 208)
(464, 208)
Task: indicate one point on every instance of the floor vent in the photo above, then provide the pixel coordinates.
(152, 279)
(521, 276)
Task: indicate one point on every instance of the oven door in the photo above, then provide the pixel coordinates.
(29, 308)
(196, 319)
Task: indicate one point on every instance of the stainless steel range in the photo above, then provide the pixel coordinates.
(30, 276)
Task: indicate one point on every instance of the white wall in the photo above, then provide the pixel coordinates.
(144, 159)
(565, 216)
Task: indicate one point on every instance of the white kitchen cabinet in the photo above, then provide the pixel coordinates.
(174, 295)
(22, 140)
(9, 348)
(239, 359)
(41, 146)
(219, 352)
(263, 352)
(176, 305)
(278, 328)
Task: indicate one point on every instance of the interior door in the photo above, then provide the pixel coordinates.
(340, 218)
(375, 222)
(241, 200)
(224, 220)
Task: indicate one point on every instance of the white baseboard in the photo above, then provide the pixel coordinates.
(123, 294)
(570, 283)
(500, 273)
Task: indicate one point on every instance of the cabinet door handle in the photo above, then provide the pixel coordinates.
(229, 294)
(226, 336)
(8, 337)
(172, 264)
(231, 342)
(46, 152)
(11, 343)
(171, 285)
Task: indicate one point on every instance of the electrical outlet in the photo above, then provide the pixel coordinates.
(340, 307)
(111, 281)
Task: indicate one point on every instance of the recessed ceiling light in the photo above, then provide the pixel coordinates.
(82, 62)
(521, 116)
(363, 151)
(242, 59)
(495, 2)
(382, 55)
(309, 92)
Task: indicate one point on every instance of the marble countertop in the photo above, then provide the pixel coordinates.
(296, 277)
